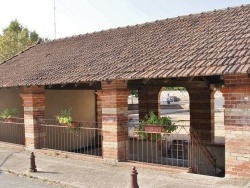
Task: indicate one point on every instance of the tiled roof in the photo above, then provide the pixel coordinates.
(212, 43)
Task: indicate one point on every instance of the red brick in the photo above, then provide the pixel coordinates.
(234, 92)
(201, 112)
(113, 98)
(33, 97)
(148, 100)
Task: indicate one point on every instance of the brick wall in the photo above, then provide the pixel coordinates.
(34, 107)
(202, 111)
(114, 107)
(237, 126)
(148, 100)
(99, 107)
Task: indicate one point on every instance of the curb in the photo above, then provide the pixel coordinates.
(39, 178)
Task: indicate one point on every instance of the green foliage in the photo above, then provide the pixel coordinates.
(8, 113)
(175, 89)
(14, 39)
(152, 119)
(134, 93)
(65, 117)
(74, 129)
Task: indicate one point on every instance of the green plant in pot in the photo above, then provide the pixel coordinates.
(151, 126)
(65, 117)
(9, 114)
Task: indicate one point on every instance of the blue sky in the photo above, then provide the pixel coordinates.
(81, 16)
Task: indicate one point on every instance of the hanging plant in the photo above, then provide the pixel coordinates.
(154, 125)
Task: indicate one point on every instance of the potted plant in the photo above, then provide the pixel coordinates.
(154, 125)
(66, 119)
(9, 114)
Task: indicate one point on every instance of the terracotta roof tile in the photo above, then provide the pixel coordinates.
(212, 43)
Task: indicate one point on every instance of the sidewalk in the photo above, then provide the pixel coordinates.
(94, 173)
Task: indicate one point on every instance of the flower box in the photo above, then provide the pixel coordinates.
(73, 124)
(9, 120)
(153, 128)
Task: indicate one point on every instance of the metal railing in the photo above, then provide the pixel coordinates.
(160, 148)
(12, 131)
(201, 160)
(85, 138)
(179, 148)
(182, 147)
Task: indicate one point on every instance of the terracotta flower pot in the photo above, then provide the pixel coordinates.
(74, 124)
(9, 120)
(153, 128)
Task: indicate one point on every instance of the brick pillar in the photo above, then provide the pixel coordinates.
(148, 99)
(99, 108)
(114, 104)
(237, 126)
(202, 111)
(99, 115)
(34, 107)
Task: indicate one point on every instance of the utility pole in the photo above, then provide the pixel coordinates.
(55, 17)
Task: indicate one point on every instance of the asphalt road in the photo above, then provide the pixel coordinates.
(13, 181)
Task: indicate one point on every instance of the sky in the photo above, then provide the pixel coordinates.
(74, 17)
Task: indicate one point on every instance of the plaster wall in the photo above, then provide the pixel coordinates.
(9, 98)
(82, 103)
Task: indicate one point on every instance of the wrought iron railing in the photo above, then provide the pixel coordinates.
(83, 137)
(182, 147)
(178, 148)
(201, 160)
(160, 148)
(12, 131)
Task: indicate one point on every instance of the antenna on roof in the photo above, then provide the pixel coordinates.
(55, 17)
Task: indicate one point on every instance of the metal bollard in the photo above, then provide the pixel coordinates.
(133, 182)
(32, 163)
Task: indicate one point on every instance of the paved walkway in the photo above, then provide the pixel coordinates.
(85, 172)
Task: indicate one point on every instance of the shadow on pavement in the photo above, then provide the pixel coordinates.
(46, 172)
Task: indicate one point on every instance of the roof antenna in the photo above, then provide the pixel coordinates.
(55, 17)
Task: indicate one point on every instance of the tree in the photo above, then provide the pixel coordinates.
(14, 39)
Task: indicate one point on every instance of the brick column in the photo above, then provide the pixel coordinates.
(34, 107)
(99, 108)
(202, 111)
(114, 104)
(148, 99)
(237, 126)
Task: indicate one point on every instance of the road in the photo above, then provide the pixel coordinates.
(14, 181)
